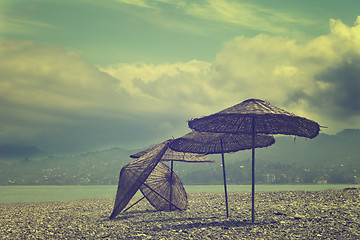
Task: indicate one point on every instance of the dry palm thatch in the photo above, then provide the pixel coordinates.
(164, 190)
(171, 155)
(255, 116)
(212, 143)
(133, 175)
(268, 119)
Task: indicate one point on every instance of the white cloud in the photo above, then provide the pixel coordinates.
(179, 85)
(19, 25)
(48, 77)
(242, 13)
(52, 96)
(48, 93)
(302, 78)
(148, 4)
(138, 3)
(226, 14)
(316, 79)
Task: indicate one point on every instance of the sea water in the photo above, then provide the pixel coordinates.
(45, 193)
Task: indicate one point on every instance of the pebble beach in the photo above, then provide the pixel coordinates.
(328, 214)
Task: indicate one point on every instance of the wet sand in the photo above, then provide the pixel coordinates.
(330, 214)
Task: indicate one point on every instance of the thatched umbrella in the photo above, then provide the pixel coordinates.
(256, 116)
(134, 174)
(213, 143)
(162, 187)
(171, 155)
(157, 189)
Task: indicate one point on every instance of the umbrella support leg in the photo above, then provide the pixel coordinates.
(134, 204)
(253, 172)
(171, 183)
(224, 176)
(161, 196)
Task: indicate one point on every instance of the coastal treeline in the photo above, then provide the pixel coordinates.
(88, 170)
(239, 173)
(325, 159)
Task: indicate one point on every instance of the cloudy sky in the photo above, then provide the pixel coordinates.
(78, 75)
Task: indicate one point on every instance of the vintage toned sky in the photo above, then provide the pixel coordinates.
(78, 75)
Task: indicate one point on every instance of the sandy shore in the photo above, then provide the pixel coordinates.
(331, 214)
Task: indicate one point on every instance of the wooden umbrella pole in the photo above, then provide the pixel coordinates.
(253, 171)
(171, 183)
(160, 196)
(224, 176)
(134, 204)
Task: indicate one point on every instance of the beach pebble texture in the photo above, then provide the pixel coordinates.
(330, 214)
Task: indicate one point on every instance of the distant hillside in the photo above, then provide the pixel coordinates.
(331, 158)
(324, 150)
(16, 151)
(100, 167)
(326, 158)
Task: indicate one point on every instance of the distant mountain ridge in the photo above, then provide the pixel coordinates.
(349, 133)
(326, 158)
(10, 151)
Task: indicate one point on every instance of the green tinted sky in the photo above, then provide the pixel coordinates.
(84, 74)
(164, 31)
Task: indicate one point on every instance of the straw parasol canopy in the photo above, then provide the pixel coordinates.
(256, 116)
(171, 155)
(164, 186)
(133, 175)
(212, 143)
(268, 119)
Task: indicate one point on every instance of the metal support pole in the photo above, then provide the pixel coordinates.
(160, 196)
(171, 183)
(224, 176)
(253, 171)
(134, 204)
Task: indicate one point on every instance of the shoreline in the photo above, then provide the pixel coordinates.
(45, 193)
(281, 214)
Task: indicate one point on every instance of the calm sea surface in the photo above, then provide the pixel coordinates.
(13, 194)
